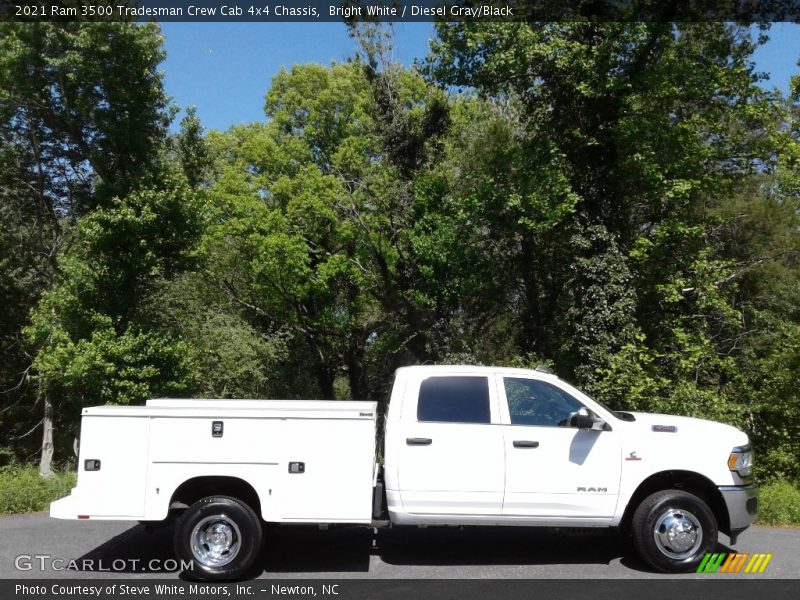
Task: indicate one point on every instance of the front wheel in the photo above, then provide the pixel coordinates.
(219, 536)
(673, 530)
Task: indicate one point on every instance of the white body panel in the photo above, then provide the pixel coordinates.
(123, 469)
(544, 483)
(494, 467)
(147, 452)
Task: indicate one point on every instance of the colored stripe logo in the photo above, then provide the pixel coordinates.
(735, 562)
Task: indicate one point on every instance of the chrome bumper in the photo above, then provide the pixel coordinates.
(742, 504)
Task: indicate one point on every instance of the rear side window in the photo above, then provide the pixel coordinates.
(454, 400)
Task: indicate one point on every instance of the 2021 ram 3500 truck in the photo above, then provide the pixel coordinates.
(463, 446)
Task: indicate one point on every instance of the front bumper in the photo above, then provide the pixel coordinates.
(742, 504)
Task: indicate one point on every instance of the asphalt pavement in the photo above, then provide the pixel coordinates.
(36, 546)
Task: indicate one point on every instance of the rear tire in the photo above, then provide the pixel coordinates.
(220, 536)
(673, 530)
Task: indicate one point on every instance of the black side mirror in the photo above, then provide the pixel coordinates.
(581, 421)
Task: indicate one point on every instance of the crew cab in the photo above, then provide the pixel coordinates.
(463, 445)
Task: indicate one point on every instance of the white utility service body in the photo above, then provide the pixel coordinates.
(147, 452)
(463, 445)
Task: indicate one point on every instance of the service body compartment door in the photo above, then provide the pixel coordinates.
(451, 459)
(327, 471)
(116, 451)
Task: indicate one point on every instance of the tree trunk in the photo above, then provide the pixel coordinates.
(46, 462)
(325, 380)
(355, 368)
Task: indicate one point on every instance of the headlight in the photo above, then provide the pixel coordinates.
(741, 460)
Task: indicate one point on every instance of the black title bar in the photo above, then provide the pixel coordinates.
(749, 11)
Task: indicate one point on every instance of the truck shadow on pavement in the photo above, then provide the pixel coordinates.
(299, 549)
(500, 546)
(307, 549)
(140, 549)
(348, 549)
(146, 550)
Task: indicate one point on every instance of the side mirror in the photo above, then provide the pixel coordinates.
(581, 421)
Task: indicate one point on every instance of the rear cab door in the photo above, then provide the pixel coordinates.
(450, 445)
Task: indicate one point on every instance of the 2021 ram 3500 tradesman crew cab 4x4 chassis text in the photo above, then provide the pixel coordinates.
(463, 446)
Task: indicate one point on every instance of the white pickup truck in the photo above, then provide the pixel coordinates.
(463, 446)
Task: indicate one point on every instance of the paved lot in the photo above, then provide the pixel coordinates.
(355, 552)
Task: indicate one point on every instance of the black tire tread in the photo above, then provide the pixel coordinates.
(642, 531)
(250, 529)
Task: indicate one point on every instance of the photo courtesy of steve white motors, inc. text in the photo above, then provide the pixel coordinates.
(195, 590)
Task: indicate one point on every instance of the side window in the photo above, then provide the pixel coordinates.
(454, 400)
(533, 402)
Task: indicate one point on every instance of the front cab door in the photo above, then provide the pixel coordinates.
(554, 470)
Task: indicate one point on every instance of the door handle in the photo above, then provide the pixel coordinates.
(525, 444)
(419, 441)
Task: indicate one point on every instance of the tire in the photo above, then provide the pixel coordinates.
(685, 516)
(220, 536)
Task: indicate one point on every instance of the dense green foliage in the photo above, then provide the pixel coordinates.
(620, 201)
(663, 272)
(779, 504)
(23, 490)
(83, 118)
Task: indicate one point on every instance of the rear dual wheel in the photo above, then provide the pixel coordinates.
(219, 536)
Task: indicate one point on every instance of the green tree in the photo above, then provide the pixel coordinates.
(192, 149)
(322, 227)
(88, 100)
(29, 240)
(664, 209)
(82, 117)
(95, 340)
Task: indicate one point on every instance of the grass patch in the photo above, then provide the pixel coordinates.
(23, 490)
(779, 504)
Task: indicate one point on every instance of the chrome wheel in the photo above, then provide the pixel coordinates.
(215, 541)
(678, 534)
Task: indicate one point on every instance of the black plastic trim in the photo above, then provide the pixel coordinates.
(525, 444)
(419, 441)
